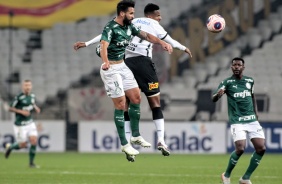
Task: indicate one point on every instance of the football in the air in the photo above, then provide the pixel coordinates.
(215, 23)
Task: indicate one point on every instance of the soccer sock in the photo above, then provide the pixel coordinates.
(15, 146)
(127, 128)
(254, 162)
(119, 121)
(158, 119)
(134, 115)
(231, 164)
(32, 152)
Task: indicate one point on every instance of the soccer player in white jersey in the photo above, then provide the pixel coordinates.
(138, 58)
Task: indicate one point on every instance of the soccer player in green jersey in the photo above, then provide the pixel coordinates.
(118, 79)
(24, 126)
(243, 117)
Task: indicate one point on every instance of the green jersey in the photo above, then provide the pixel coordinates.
(119, 37)
(23, 102)
(239, 98)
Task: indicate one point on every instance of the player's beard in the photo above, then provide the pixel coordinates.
(126, 21)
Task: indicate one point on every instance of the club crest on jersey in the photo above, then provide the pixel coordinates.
(153, 85)
(128, 32)
(248, 85)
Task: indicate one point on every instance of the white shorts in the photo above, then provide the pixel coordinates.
(22, 133)
(240, 131)
(117, 79)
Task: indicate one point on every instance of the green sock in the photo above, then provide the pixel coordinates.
(119, 121)
(231, 164)
(32, 152)
(254, 162)
(15, 146)
(134, 116)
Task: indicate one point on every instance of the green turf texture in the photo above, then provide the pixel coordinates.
(78, 168)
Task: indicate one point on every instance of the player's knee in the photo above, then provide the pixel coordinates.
(261, 150)
(157, 113)
(23, 144)
(136, 99)
(239, 151)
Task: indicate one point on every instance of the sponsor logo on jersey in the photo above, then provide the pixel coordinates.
(153, 85)
(249, 80)
(242, 94)
(143, 22)
(230, 81)
(246, 118)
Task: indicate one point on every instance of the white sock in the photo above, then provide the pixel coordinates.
(160, 129)
(127, 130)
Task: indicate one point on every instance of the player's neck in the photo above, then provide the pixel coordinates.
(239, 77)
(119, 20)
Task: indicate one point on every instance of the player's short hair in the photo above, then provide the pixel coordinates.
(238, 58)
(150, 8)
(27, 80)
(123, 5)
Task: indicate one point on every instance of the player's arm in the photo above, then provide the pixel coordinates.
(177, 45)
(218, 95)
(13, 108)
(104, 54)
(36, 108)
(255, 105)
(79, 45)
(151, 38)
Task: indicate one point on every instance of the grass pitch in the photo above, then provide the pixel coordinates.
(77, 168)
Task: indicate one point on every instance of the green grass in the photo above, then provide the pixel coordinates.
(76, 168)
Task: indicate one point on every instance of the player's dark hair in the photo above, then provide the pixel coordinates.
(150, 8)
(27, 80)
(237, 58)
(123, 6)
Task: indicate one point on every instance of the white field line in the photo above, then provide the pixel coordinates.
(131, 174)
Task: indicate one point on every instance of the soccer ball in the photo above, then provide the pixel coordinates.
(215, 23)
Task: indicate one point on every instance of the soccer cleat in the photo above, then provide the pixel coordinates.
(129, 150)
(241, 181)
(34, 166)
(164, 149)
(140, 141)
(130, 158)
(8, 150)
(224, 179)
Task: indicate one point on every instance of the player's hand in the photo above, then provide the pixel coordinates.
(167, 47)
(220, 92)
(25, 113)
(188, 52)
(105, 65)
(79, 45)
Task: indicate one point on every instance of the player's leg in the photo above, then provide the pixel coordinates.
(32, 134)
(132, 92)
(258, 139)
(239, 137)
(114, 88)
(21, 140)
(158, 118)
(127, 127)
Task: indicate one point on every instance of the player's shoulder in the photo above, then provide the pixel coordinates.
(248, 79)
(111, 24)
(20, 96)
(228, 80)
(32, 95)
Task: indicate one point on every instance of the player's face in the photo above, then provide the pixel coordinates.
(237, 67)
(156, 15)
(128, 16)
(26, 87)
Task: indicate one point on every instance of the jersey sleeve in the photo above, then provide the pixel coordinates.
(107, 34)
(135, 30)
(14, 102)
(253, 86)
(222, 85)
(160, 31)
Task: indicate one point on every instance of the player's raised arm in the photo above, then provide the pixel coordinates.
(177, 45)
(150, 38)
(79, 45)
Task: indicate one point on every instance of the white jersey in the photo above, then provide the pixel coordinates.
(138, 46)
